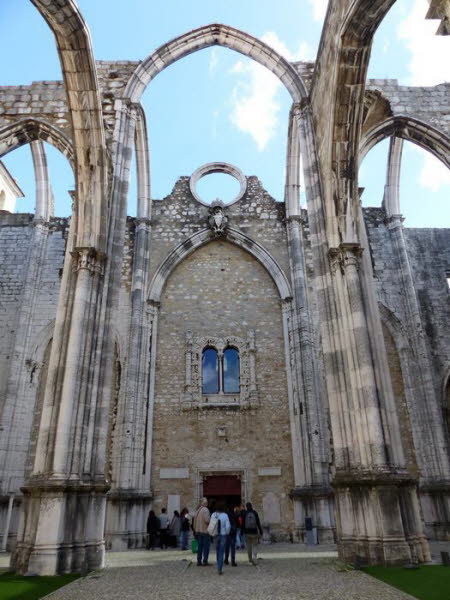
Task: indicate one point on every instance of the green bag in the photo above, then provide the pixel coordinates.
(194, 546)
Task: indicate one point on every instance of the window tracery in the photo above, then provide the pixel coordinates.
(220, 372)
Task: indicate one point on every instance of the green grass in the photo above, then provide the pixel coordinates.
(16, 587)
(430, 582)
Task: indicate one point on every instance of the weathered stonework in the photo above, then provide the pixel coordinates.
(340, 315)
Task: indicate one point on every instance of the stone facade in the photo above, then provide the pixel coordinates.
(340, 317)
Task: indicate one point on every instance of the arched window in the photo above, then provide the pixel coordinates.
(210, 371)
(231, 371)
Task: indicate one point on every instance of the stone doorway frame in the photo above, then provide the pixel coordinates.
(240, 472)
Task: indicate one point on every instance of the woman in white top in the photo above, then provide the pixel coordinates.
(221, 530)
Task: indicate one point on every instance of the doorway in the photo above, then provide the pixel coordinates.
(222, 488)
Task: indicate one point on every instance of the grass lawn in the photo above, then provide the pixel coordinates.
(430, 582)
(16, 587)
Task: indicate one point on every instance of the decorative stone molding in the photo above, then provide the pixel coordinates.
(193, 396)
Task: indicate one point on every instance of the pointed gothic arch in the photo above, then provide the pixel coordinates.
(412, 130)
(215, 34)
(30, 130)
(184, 249)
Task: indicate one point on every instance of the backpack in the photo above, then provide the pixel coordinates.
(214, 525)
(250, 520)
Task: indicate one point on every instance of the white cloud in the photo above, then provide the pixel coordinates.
(319, 9)
(213, 61)
(428, 65)
(434, 175)
(254, 101)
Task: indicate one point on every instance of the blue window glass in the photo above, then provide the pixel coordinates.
(210, 371)
(231, 376)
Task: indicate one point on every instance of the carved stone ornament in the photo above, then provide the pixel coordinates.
(217, 219)
(193, 397)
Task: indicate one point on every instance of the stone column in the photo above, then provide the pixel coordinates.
(62, 519)
(427, 422)
(312, 489)
(377, 510)
(376, 501)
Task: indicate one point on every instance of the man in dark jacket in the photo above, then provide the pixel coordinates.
(251, 526)
(231, 537)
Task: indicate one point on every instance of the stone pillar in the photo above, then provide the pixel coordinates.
(62, 519)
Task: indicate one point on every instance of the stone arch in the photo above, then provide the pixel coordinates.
(83, 97)
(201, 238)
(30, 130)
(412, 130)
(211, 35)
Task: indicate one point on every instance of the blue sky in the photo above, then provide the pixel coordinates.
(218, 105)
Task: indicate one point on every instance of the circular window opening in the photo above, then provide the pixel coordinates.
(220, 186)
(218, 181)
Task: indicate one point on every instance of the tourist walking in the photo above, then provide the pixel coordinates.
(240, 537)
(174, 529)
(252, 529)
(219, 527)
(230, 546)
(200, 526)
(164, 528)
(184, 533)
(152, 530)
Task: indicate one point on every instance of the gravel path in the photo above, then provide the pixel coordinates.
(282, 573)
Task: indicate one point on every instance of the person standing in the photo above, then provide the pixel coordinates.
(152, 530)
(252, 529)
(175, 528)
(230, 546)
(200, 526)
(185, 525)
(222, 530)
(164, 528)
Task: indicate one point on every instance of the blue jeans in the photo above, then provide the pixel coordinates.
(231, 545)
(184, 539)
(220, 541)
(203, 548)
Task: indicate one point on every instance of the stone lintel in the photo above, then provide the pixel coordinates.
(370, 478)
(126, 495)
(311, 491)
(435, 487)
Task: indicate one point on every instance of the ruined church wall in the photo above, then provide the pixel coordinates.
(220, 290)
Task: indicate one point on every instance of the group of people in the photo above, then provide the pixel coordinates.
(170, 532)
(230, 528)
(226, 527)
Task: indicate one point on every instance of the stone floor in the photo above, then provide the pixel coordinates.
(283, 572)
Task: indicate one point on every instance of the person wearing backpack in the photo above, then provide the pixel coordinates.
(219, 527)
(252, 529)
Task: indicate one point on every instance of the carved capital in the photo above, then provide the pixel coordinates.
(88, 259)
(394, 221)
(346, 255)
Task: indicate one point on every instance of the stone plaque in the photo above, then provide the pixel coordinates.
(269, 471)
(271, 508)
(176, 473)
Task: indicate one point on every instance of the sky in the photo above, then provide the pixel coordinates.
(216, 105)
